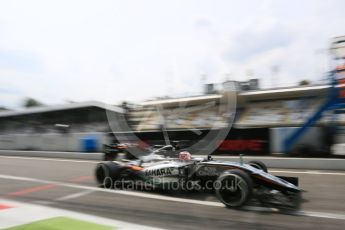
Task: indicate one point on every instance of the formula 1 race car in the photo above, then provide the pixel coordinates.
(234, 183)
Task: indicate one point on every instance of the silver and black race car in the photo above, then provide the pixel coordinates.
(234, 183)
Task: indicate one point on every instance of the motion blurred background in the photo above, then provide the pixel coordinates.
(81, 79)
(64, 64)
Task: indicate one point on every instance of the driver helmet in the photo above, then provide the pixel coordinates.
(184, 156)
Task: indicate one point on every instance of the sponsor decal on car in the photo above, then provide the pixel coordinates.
(209, 171)
(159, 172)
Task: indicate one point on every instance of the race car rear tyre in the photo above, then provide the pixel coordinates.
(107, 173)
(259, 165)
(108, 157)
(234, 188)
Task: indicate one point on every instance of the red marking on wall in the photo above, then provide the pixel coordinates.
(31, 190)
(238, 145)
(5, 206)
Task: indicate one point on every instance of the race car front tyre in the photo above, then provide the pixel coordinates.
(107, 173)
(259, 165)
(234, 188)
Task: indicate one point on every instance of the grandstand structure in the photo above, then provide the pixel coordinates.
(281, 111)
(283, 107)
(81, 117)
(280, 107)
(197, 112)
(50, 127)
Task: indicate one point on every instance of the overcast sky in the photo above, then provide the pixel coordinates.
(112, 51)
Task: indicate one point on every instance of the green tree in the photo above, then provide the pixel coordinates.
(30, 102)
(304, 82)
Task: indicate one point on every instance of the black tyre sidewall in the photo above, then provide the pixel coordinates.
(246, 189)
(258, 165)
(107, 173)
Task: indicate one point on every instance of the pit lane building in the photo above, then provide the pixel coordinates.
(68, 127)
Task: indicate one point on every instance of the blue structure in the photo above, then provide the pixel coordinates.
(89, 144)
(336, 100)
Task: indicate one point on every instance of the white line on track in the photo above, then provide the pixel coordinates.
(174, 199)
(236, 158)
(322, 215)
(74, 195)
(311, 172)
(50, 159)
(308, 172)
(270, 158)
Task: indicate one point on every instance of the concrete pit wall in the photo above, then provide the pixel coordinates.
(73, 142)
(70, 142)
(313, 137)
